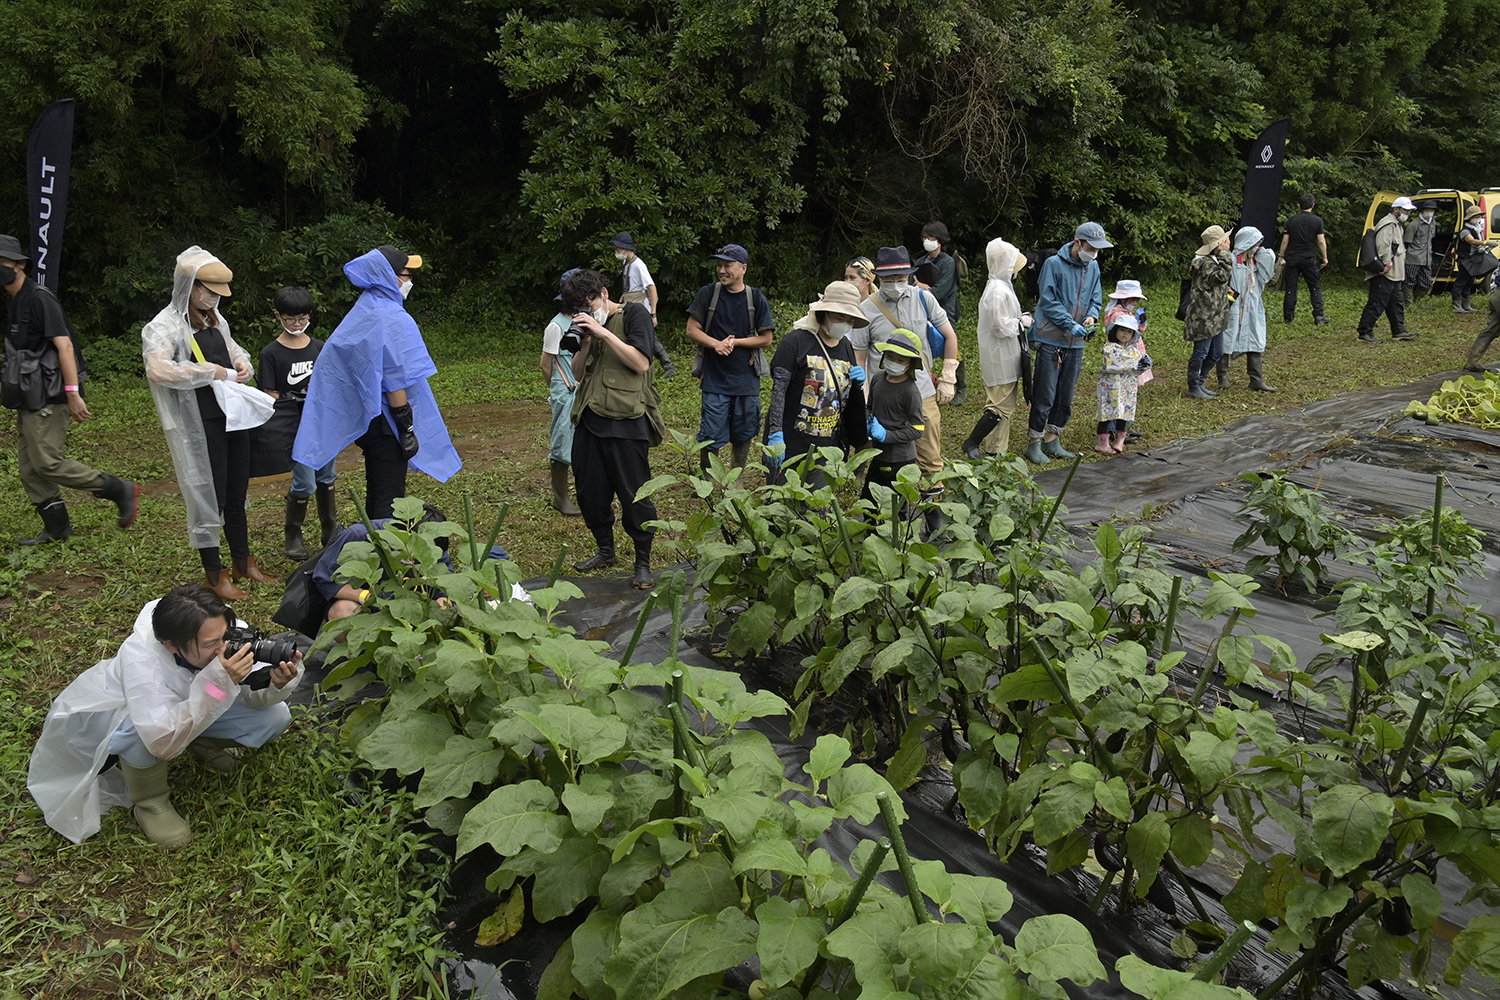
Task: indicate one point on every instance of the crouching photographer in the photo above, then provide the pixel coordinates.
(190, 677)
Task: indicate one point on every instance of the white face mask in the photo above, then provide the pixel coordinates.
(893, 367)
(601, 314)
(1087, 254)
(1428, 216)
(891, 288)
(930, 245)
(203, 300)
(838, 329)
(619, 255)
(405, 287)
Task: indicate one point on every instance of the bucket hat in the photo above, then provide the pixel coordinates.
(624, 241)
(10, 249)
(903, 343)
(1128, 288)
(841, 298)
(893, 262)
(1473, 212)
(1211, 237)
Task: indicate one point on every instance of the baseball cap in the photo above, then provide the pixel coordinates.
(1093, 234)
(733, 252)
(1404, 202)
(399, 261)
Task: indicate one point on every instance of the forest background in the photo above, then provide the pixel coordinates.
(505, 142)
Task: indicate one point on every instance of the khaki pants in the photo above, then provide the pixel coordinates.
(1001, 401)
(930, 444)
(43, 467)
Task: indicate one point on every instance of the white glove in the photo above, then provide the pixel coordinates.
(947, 382)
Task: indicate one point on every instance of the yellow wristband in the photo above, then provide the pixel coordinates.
(364, 595)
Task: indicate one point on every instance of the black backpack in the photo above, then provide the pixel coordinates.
(1369, 259)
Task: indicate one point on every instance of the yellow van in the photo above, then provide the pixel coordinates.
(1451, 205)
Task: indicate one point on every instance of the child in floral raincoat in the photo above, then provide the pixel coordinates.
(1118, 382)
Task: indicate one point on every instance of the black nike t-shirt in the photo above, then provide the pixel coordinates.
(285, 370)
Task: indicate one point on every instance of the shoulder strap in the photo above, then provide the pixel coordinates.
(832, 374)
(197, 351)
(879, 304)
(713, 306)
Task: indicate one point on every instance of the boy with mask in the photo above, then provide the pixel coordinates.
(895, 417)
(286, 366)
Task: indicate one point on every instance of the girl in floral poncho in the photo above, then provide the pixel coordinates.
(1118, 383)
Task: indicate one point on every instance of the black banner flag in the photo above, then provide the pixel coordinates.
(1262, 207)
(49, 157)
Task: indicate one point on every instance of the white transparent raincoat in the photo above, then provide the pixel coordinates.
(1000, 317)
(174, 374)
(170, 706)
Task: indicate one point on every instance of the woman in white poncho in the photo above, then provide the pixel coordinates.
(187, 348)
(173, 686)
(1001, 324)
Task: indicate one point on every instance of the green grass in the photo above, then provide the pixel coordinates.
(288, 891)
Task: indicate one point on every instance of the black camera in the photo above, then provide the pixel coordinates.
(262, 647)
(570, 341)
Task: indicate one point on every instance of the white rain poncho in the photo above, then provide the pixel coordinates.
(169, 705)
(1000, 317)
(1247, 317)
(167, 350)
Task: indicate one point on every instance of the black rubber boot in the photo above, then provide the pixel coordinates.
(960, 384)
(1255, 362)
(328, 515)
(973, 444)
(606, 554)
(1223, 368)
(296, 516)
(740, 454)
(663, 359)
(642, 579)
(55, 523)
(124, 495)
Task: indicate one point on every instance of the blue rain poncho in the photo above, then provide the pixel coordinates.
(1251, 271)
(376, 349)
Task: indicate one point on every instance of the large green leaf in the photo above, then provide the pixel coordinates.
(408, 743)
(454, 771)
(587, 736)
(771, 854)
(588, 801)
(1156, 983)
(1349, 824)
(567, 877)
(852, 791)
(1192, 839)
(941, 952)
(870, 940)
(737, 811)
(673, 940)
(854, 594)
(1055, 946)
(1478, 945)
(981, 791)
(1425, 899)
(514, 817)
(788, 939)
(752, 629)
(978, 899)
(1147, 841)
(1060, 810)
(827, 756)
(1210, 758)
(628, 874)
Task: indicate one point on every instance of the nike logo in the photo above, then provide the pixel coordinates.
(293, 379)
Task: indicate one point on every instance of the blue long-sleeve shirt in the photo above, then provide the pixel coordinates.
(1069, 291)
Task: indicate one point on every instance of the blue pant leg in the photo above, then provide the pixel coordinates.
(1043, 388)
(127, 743)
(744, 420)
(1067, 380)
(303, 480)
(252, 727)
(713, 424)
(327, 475)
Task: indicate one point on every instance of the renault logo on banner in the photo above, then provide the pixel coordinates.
(1266, 154)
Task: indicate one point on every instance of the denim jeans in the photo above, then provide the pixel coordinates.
(1054, 376)
(1206, 354)
(252, 727)
(304, 478)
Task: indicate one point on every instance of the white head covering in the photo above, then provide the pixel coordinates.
(1000, 317)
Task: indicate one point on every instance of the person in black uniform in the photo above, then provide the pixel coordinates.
(616, 419)
(1302, 245)
(36, 324)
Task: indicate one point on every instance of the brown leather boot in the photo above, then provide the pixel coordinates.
(221, 585)
(248, 569)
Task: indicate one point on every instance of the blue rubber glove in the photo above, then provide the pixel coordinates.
(876, 430)
(774, 461)
(857, 375)
(1140, 315)
(1080, 331)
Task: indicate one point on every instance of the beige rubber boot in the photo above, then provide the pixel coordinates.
(153, 808)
